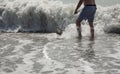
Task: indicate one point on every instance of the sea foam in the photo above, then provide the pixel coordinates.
(47, 15)
(33, 15)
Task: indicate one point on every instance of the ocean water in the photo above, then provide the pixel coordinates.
(29, 44)
(98, 2)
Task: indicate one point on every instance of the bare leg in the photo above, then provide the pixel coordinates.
(78, 25)
(91, 29)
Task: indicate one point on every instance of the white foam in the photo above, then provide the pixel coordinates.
(70, 32)
(45, 52)
(46, 15)
(22, 43)
(35, 15)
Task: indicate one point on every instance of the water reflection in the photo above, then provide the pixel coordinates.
(86, 48)
(90, 51)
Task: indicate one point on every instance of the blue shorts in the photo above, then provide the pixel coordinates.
(88, 13)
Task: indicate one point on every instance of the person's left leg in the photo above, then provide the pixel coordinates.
(91, 29)
(78, 25)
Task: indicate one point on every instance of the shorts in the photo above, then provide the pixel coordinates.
(88, 13)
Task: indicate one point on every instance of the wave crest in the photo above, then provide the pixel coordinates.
(46, 16)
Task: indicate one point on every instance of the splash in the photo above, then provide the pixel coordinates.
(33, 15)
(48, 15)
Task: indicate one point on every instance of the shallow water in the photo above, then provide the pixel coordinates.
(34, 53)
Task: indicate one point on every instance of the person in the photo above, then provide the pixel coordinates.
(87, 13)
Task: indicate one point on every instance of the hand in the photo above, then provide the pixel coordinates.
(75, 12)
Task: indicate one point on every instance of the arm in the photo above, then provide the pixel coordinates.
(78, 5)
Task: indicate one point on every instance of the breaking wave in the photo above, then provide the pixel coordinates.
(46, 16)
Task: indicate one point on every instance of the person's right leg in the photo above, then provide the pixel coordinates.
(90, 17)
(78, 25)
(91, 29)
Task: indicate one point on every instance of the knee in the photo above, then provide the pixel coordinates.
(78, 22)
